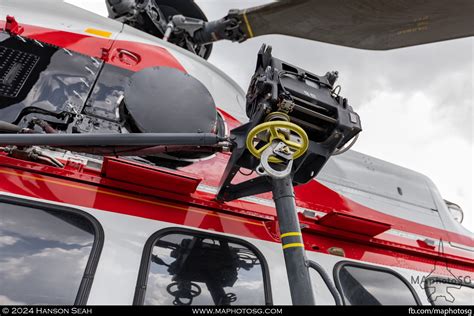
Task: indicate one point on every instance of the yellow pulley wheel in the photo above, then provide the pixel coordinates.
(277, 130)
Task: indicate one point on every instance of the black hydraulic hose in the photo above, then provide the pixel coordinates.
(327, 281)
(6, 127)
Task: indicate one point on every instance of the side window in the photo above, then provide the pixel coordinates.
(325, 293)
(182, 267)
(46, 252)
(442, 291)
(369, 285)
(321, 292)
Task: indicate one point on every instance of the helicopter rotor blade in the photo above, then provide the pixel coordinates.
(365, 24)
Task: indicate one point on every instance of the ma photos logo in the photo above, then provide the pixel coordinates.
(441, 284)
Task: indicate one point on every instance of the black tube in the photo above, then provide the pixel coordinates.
(136, 139)
(6, 127)
(211, 32)
(292, 242)
(327, 281)
(140, 150)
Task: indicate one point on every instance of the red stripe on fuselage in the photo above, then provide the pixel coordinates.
(92, 196)
(149, 55)
(316, 196)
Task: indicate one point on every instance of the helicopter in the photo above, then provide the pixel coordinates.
(133, 171)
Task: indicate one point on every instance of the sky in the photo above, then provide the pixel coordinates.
(415, 104)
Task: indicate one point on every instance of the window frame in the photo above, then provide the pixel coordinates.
(337, 296)
(142, 280)
(345, 263)
(85, 285)
(450, 280)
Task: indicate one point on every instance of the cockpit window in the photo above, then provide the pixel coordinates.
(369, 285)
(187, 268)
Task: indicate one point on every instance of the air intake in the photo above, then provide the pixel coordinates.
(15, 68)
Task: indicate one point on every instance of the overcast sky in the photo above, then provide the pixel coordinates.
(416, 104)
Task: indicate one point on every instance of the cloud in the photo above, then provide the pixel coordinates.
(48, 276)
(156, 290)
(7, 241)
(4, 300)
(41, 225)
(13, 269)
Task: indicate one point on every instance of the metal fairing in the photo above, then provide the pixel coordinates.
(390, 189)
(354, 184)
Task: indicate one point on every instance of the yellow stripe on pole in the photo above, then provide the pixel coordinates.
(247, 24)
(293, 245)
(290, 234)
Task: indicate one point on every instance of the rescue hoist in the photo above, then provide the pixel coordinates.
(297, 120)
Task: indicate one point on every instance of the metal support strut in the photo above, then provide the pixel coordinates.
(276, 144)
(292, 242)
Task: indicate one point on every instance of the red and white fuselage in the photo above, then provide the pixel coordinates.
(359, 209)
